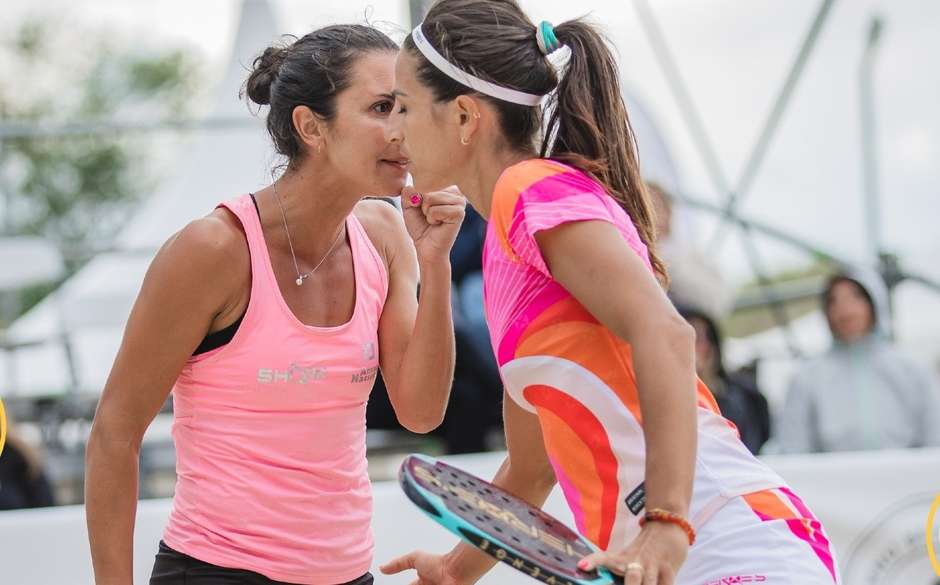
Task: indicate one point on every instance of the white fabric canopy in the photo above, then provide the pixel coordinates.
(809, 184)
(91, 308)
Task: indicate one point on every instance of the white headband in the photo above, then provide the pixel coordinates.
(460, 76)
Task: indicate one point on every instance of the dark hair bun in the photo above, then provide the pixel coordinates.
(310, 71)
(263, 73)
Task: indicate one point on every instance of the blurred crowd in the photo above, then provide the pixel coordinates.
(863, 393)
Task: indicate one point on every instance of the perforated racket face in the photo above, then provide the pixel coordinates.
(536, 543)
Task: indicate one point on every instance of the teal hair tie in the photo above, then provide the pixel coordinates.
(545, 37)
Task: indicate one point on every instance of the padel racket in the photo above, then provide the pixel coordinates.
(499, 523)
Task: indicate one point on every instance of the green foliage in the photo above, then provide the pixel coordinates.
(78, 188)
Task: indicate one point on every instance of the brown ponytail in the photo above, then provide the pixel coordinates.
(587, 126)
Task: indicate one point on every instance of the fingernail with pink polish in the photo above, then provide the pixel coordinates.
(416, 200)
(583, 565)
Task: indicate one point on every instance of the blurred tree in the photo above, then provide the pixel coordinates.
(77, 189)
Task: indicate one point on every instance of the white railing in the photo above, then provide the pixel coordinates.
(874, 506)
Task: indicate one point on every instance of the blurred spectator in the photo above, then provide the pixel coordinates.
(23, 483)
(466, 260)
(466, 255)
(476, 397)
(864, 393)
(697, 288)
(475, 406)
(694, 280)
(736, 393)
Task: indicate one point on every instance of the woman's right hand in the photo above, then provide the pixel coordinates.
(433, 220)
(431, 569)
(528, 474)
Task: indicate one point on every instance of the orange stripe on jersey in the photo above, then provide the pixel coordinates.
(556, 340)
(772, 505)
(707, 401)
(508, 190)
(705, 398)
(564, 311)
(588, 430)
(769, 506)
(573, 454)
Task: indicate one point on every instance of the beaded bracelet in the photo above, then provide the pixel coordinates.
(660, 515)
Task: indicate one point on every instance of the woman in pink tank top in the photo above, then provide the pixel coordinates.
(269, 320)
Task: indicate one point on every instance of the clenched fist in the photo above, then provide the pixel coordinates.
(433, 220)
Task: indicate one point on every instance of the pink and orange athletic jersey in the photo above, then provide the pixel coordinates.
(558, 361)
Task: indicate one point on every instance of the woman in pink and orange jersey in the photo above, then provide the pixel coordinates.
(601, 393)
(269, 319)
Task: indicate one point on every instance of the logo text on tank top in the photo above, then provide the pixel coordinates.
(365, 375)
(293, 374)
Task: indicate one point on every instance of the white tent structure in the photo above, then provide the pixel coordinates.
(82, 323)
(80, 326)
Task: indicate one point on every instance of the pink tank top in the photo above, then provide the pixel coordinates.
(270, 432)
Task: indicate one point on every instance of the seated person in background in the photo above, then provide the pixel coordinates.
(466, 260)
(23, 484)
(736, 393)
(475, 406)
(694, 280)
(864, 393)
(476, 397)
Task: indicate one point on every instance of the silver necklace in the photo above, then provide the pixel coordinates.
(301, 277)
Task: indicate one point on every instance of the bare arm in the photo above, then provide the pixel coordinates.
(185, 288)
(416, 338)
(525, 473)
(592, 261)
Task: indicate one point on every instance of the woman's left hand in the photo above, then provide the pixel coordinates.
(433, 220)
(654, 558)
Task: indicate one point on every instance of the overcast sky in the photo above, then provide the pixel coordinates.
(733, 55)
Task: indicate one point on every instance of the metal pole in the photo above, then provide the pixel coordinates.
(773, 121)
(682, 95)
(777, 308)
(13, 130)
(7, 193)
(707, 150)
(869, 149)
(752, 226)
(416, 10)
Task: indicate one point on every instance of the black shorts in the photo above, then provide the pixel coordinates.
(175, 568)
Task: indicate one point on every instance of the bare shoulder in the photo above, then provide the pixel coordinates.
(378, 213)
(384, 226)
(211, 248)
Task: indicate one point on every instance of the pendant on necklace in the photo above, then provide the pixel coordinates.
(300, 280)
